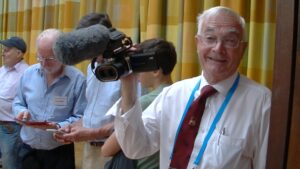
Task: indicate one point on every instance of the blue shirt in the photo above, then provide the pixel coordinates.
(100, 96)
(62, 102)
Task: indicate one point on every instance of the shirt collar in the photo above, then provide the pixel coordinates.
(66, 72)
(223, 86)
(16, 67)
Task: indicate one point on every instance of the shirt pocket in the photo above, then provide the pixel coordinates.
(223, 151)
(61, 108)
(9, 89)
(228, 150)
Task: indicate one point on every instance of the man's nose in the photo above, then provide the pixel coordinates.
(219, 46)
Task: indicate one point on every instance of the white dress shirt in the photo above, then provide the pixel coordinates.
(239, 140)
(9, 81)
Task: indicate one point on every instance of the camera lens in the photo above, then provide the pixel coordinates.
(110, 72)
(106, 73)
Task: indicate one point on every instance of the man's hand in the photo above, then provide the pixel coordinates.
(78, 133)
(24, 119)
(59, 135)
(23, 116)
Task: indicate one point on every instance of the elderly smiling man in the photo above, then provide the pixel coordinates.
(233, 131)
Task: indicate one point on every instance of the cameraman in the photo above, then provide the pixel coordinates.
(154, 82)
(94, 125)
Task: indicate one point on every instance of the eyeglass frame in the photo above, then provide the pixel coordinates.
(217, 40)
(41, 59)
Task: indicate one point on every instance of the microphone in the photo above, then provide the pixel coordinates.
(81, 44)
(90, 42)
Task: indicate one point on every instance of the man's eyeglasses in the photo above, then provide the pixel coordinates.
(212, 41)
(41, 59)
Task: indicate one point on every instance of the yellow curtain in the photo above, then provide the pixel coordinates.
(173, 20)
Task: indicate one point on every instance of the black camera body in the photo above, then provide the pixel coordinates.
(120, 61)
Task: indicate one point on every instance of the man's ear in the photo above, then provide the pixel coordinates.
(157, 72)
(19, 54)
(196, 40)
(243, 47)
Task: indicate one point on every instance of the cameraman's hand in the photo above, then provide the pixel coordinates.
(128, 91)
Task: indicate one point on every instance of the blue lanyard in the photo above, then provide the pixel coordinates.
(191, 99)
(215, 121)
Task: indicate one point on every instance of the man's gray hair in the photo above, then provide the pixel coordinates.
(220, 10)
(51, 33)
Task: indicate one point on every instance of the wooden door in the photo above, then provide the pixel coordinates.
(284, 138)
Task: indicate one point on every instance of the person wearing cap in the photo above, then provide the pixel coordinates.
(13, 51)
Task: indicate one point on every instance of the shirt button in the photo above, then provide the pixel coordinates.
(207, 105)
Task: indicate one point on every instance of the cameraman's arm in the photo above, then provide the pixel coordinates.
(129, 127)
(111, 146)
(128, 92)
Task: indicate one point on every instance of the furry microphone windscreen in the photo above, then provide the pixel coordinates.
(81, 44)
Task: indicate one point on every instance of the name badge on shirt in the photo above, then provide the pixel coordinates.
(60, 100)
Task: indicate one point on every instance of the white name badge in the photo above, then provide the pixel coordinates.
(60, 100)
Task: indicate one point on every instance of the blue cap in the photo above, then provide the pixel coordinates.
(16, 42)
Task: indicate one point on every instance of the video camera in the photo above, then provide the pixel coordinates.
(120, 59)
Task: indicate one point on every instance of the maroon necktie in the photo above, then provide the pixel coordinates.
(186, 137)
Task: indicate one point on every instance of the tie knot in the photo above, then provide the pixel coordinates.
(207, 91)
